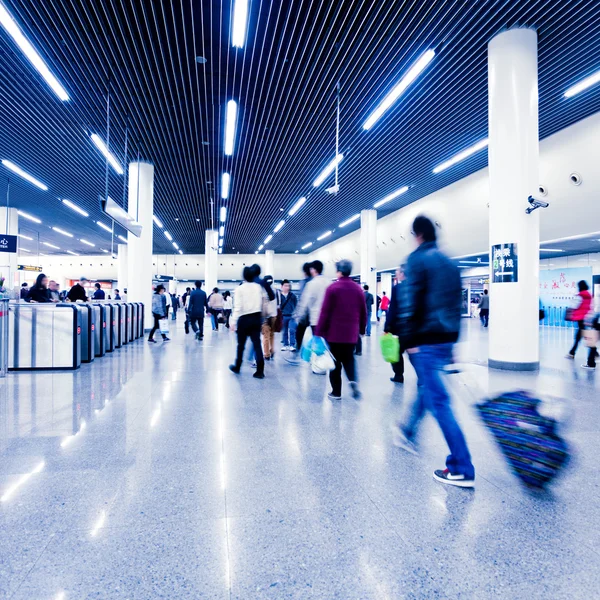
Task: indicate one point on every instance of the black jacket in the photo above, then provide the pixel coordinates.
(37, 293)
(369, 301)
(77, 293)
(430, 306)
(392, 319)
(196, 303)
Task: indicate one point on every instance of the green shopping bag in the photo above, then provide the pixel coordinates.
(390, 347)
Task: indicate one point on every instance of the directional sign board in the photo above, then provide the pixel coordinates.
(29, 268)
(8, 243)
(505, 263)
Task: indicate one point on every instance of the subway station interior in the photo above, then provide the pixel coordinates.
(299, 299)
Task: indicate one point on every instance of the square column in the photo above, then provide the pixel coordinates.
(122, 268)
(269, 263)
(139, 251)
(211, 260)
(9, 225)
(386, 284)
(368, 251)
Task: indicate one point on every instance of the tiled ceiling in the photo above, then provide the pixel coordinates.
(151, 56)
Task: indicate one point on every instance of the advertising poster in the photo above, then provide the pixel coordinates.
(559, 286)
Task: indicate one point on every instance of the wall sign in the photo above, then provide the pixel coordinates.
(8, 243)
(505, 263)
(29, 268)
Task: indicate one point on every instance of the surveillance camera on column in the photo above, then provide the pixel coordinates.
(535, 204)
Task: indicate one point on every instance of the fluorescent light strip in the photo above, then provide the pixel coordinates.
(350, 220)
(391, 197)
(222, 230)
(279, 226)
(572, 237)
(73, 253)
(87, 243)
(105, 227)
(414, 71)
(324, 235)
(25, 237)
(221, 243)
(307, 245)
(75, 207)
(261, 247)
(586, 83)
(23, 250)
(114, 163)
(30, 52)
(123, 239)
(220, 250)
(550, 250)
(15, 169)
(240, 21)
(268, 239)
(297, 207)
(157, 221)
(62, 232)
(51, 245)
(175, 246)
(180, 252)
(28, 216)
(168, 236)
(328, 170)
(225, 184)
(103, 250)
(223, 215)
(230, 122)
(461, 156)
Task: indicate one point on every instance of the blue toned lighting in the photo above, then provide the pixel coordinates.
(87, 243)
(324, 235)
(30, 52)
(157, 221)
(297, 207)
(583, 85)
(223, 215)
(279, 226)
(75, 207)
(222, 230)
(240, 19)
(230, 121)
(15, 169)
(350, 220)
(261, 247)
(168, 236)
(62, 232)
(175, 246)
(399, 89)
(105, 227)
(225, 183)
(123, 239)
(461, 156)
(268, 239)
(391, 196)
(307, 245)
(112, 161)
(29, 217)
(328, 170)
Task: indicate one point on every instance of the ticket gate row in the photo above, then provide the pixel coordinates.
(62, 336)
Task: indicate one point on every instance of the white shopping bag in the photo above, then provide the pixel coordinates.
(164, 326)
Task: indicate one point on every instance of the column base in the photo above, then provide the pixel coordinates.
(504, 365)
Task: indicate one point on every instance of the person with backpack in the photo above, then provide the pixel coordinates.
(287, 305)
(579, 314)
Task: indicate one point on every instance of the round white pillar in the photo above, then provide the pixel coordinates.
(513, 176)
(122, 267)
(269, 263)
(386, 284)
(211, 260)
(368, 252)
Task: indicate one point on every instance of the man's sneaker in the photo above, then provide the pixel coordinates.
(588, 368)
(570, 356)
(397, 379)
(234, 369)
(166, 339)
(258, 375)
(355, 391)
(333, 396)
(254, 365)
(400, 440)
(152, 341)
(458, 480)
(292, 348)
(284, 348)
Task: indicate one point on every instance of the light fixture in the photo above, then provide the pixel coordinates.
(30, 52)
(114, 163)
(220, 250)
(261, 247)
(180, 252)
(28, 216)
(350, 220)
(461, 156)
(225, 182)
(297, 207)
(391, 196)
(230, 121)
(395, 93)
(328, 170)
(279, 226)
(324, 235)
(593, 79)
(175, 246)
(120, 215)
(296, 252)
(157, 221)
(256, 252)
(240, 19)
(62, 232)
(223, 214)
(103, 250)
(222, 230)
(15, 169)
(23, 249)
(105, 227)
(168, 236)
(475, 262)
(268, 239)
(87, 243)
(307, 245)
(75, 207)
(123, 239)
(551, 250)
(51, 245)
(73, 253)
(25, 237)
(221, 243)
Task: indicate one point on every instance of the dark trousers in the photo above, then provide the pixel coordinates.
(156, 326)
(578, 336)
(227, 315)
(300, 329)
(197, 324)
(484, 316)
(358, 347)
(398, 368)
(592, 357)
(344, 357)
(249, 327)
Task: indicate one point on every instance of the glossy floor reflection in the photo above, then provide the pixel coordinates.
(156, 473)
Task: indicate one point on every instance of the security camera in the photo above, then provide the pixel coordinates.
(334, 189)
(535, 203)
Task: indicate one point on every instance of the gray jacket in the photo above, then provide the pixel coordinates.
(159, 304)
(430, 307)
(309, 306)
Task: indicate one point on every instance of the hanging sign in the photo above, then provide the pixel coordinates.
(8, 243)
(505, 263)
(29, 268)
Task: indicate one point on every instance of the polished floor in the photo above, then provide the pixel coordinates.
(157, 473)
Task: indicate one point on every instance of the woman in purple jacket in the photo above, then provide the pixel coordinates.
(343, 318)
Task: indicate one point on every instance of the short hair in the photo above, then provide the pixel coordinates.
(422, 226)
(285, 281)
(117, 291)
(24, 284)
(255, 270)
(248, 274)
(317, 265)
(344, 267)
(97, 286)
(583, 286)
(83, 279)
(198, 284)
(306, 268)
(215, 290)
(366, 287)
(190, 289)
(160, 287)
(485, 292)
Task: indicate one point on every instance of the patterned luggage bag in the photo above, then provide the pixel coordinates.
(529, 440)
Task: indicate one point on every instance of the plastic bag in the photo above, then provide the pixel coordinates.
(390, 348)
(164, 326)
(319, 346)
(306, 350)
(322, 363)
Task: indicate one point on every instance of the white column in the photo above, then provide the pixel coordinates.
(513, 176)
(368, 252)
(122, 268)
(211, 260)
(386, 284)
(269, 263)
(9, 260)
(139, 251)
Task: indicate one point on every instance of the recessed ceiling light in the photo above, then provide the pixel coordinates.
(328, 170)
(73, 253)
(157, 221)
(51, 245)
(240, 20)
(350, 220)
(551, 250)
(87, 243)
(230, 122)
(391, 197)
(23, 250)
(168, 236)
(307, 245)
(279, 226)
(123, 239)
(225, 183)
(593, 79)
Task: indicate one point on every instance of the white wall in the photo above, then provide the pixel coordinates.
(461, 208)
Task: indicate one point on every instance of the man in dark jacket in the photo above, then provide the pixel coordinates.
(287, 305)
(430, 313)
(369, 302)
(392, 323)
(77, 292)
(197, 303)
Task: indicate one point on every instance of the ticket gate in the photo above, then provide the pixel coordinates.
(88, 331)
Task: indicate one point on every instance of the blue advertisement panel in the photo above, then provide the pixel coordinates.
(558, 288)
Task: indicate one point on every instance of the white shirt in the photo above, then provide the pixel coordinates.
(247, 300)
(228, 303)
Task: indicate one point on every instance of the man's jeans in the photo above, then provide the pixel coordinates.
(429, 363)
(288, 332)
(369, 315)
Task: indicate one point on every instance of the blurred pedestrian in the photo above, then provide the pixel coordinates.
(579, 314)
(39, 290)
(287, 305)
(197, 303)
(159, 312)
(392, 323)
